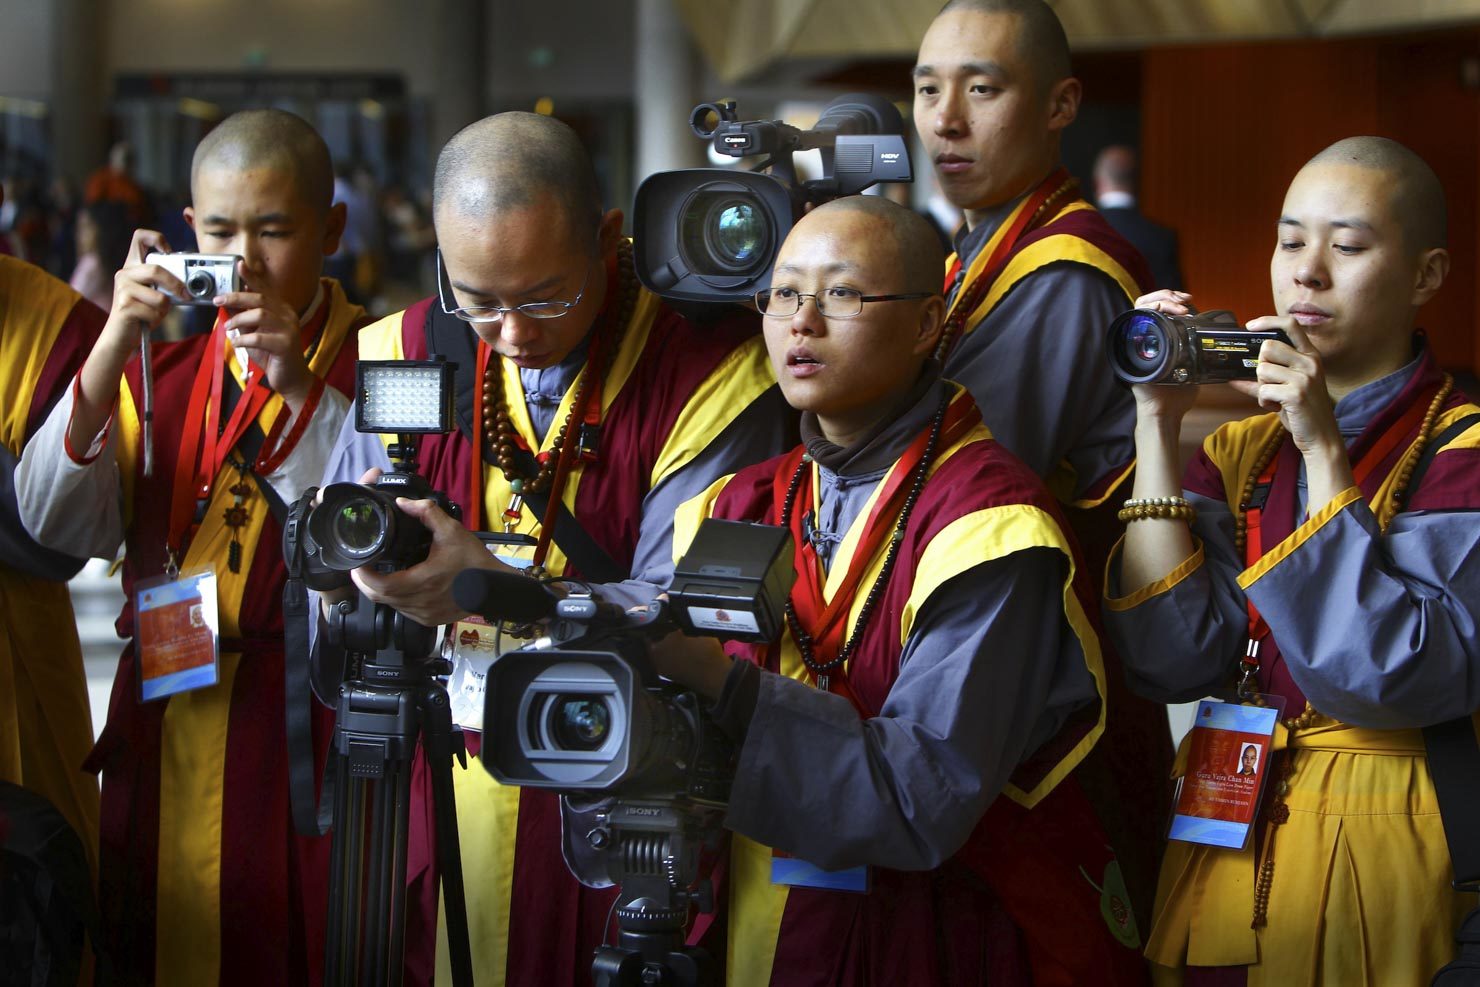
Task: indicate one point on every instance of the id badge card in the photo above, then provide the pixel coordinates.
(474, 646)
(788, 870)
(1228, 757)
(177, 634)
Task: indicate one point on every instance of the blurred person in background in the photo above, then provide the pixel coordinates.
(1116, 177)
(103, 235)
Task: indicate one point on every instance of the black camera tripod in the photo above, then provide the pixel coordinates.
(390, 696)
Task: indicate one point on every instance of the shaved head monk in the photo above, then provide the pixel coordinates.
(590, 411)
(200, 865)
(1036, 276)
(1338, 532)
(909, 743)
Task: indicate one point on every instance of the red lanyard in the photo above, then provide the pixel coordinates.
(826, 622)
(205, 444)
(1375, 455)
(972, 294)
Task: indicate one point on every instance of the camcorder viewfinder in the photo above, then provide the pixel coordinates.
(1149, 347)
(712, 234)
(590, 714)
(204, 275)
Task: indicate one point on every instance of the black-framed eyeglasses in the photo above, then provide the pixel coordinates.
(833, 303)
(494, 313)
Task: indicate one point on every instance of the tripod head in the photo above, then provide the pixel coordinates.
(651, 849)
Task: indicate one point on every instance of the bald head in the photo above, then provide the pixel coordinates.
(1040, 40)
(1417, 195)
(512, 161)
(273, 139)
(918, 254)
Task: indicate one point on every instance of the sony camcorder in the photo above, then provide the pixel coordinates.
(582, 709)
(1149, 347)
(204, 275)
(711, 234)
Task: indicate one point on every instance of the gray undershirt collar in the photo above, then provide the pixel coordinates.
(545, 388)
(846, 477)
(969, 241)
(887, 440)
(1357, 409)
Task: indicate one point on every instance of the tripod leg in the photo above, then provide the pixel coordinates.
(402, 807)
(377, 896)
(345, 876)
(437, 736)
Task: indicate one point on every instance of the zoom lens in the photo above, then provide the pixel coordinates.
(359, 527)
(1139, 347)
(201, 284)
(725, 234)
(578, 723)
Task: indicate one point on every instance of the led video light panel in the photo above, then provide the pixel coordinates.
(404, 396)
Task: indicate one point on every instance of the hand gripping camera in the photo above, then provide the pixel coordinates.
(644, 770)
(358, 524)
(711, 234)
(1149, 347)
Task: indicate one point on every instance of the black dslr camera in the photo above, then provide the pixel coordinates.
(1149, 347)
(358, 524)
(711, 234)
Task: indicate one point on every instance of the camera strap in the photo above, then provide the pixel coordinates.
(450, 337)
(298, 696)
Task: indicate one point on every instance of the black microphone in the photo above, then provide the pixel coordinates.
(496, 596)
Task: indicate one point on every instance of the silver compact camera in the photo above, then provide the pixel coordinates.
(205, 275)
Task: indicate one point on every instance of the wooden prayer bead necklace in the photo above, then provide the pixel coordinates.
(498, 427)
(961, 311)
(803, 639)
(1279, 811)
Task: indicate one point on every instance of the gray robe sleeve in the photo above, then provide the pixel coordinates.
(989, 673)
(1381, 631)
(1182, 643)
(1037, 368)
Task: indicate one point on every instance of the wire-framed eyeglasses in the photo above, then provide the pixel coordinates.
(833, 303)
(494, 313)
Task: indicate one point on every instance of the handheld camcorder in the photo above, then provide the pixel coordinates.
(205, 275)
(583, 710)
(711, 234)
(1150, 347)
(358, 524)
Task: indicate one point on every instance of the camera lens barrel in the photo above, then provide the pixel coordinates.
(1149, 347)
(725, 232)
(1142, 346)
(201, 284)
(577, 722)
